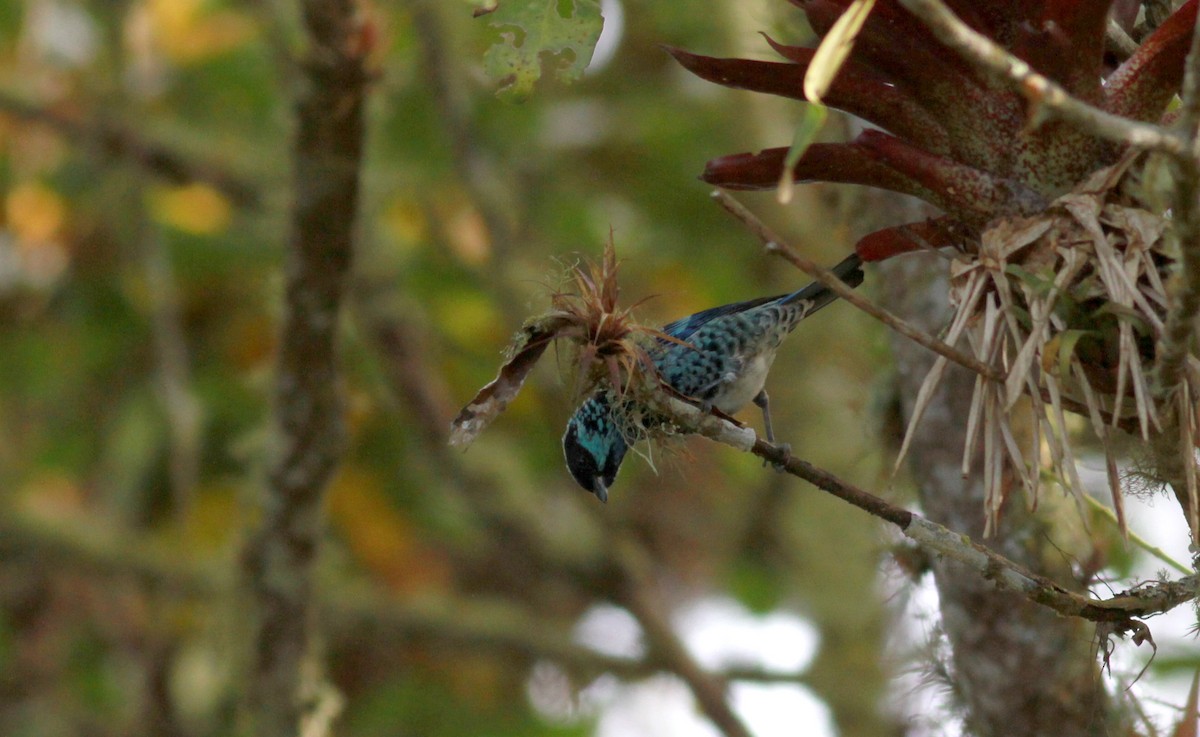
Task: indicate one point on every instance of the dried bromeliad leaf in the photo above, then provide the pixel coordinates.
(611, 345)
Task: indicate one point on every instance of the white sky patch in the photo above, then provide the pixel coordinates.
(63, 32)
(610, 37)
(720, 633)
(610, 630)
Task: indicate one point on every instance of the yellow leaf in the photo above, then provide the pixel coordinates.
(194, 208)
(810, 125)
(834, 49)
(405, 221)
(468, 236)
(186, 31)
(469, 318)
(380, 536)
(34, 212)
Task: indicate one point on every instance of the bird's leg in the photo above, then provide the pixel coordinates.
(763, 402)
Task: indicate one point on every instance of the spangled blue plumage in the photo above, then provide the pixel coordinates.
(724, 364)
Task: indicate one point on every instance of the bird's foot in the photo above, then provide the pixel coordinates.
(786, 448)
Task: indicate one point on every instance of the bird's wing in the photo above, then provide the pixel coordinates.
(849, 271)
(685, 327)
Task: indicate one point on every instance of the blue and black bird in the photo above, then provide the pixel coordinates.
(722, 362)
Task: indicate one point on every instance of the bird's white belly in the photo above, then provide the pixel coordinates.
(746, 385)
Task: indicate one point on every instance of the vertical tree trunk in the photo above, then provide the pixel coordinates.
(279, 558)
(1016, 667)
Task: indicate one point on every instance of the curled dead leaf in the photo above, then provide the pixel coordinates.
(495, 397)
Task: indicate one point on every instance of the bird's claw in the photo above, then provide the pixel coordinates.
(786, 449)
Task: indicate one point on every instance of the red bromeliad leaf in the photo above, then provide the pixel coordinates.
(1142, 86)
(1067, 44)
(856, 90)
(935, 233)
(847, 163)
(1189, 720)
(894, 44)
(972, 146)
(897, 49)
(973, 195)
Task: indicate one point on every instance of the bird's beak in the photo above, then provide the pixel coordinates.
(600, 490)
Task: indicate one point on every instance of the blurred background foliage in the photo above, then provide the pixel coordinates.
(144, 172)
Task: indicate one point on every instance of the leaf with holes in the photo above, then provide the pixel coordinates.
(531, 28)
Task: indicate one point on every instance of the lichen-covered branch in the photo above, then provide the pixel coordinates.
(1173, 449)
(310, 434)
(1151, 598)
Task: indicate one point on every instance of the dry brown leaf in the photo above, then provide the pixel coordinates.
(495, 397)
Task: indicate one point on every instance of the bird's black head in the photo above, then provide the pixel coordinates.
(594, 448)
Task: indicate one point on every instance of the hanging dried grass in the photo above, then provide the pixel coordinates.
(1070, 304)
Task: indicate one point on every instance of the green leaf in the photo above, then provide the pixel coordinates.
(1123, 312)
(1067, 341)
(806, 132)
(754, 584)
(530, 28)
(1039, 283)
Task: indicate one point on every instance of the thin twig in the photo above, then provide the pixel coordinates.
(1103, 509)
(638, 597)
(777, 246)
(181, 408)
(1048, 97)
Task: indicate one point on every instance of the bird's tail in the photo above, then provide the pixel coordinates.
(818, 295)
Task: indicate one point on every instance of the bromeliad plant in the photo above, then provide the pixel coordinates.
(1062, 252)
